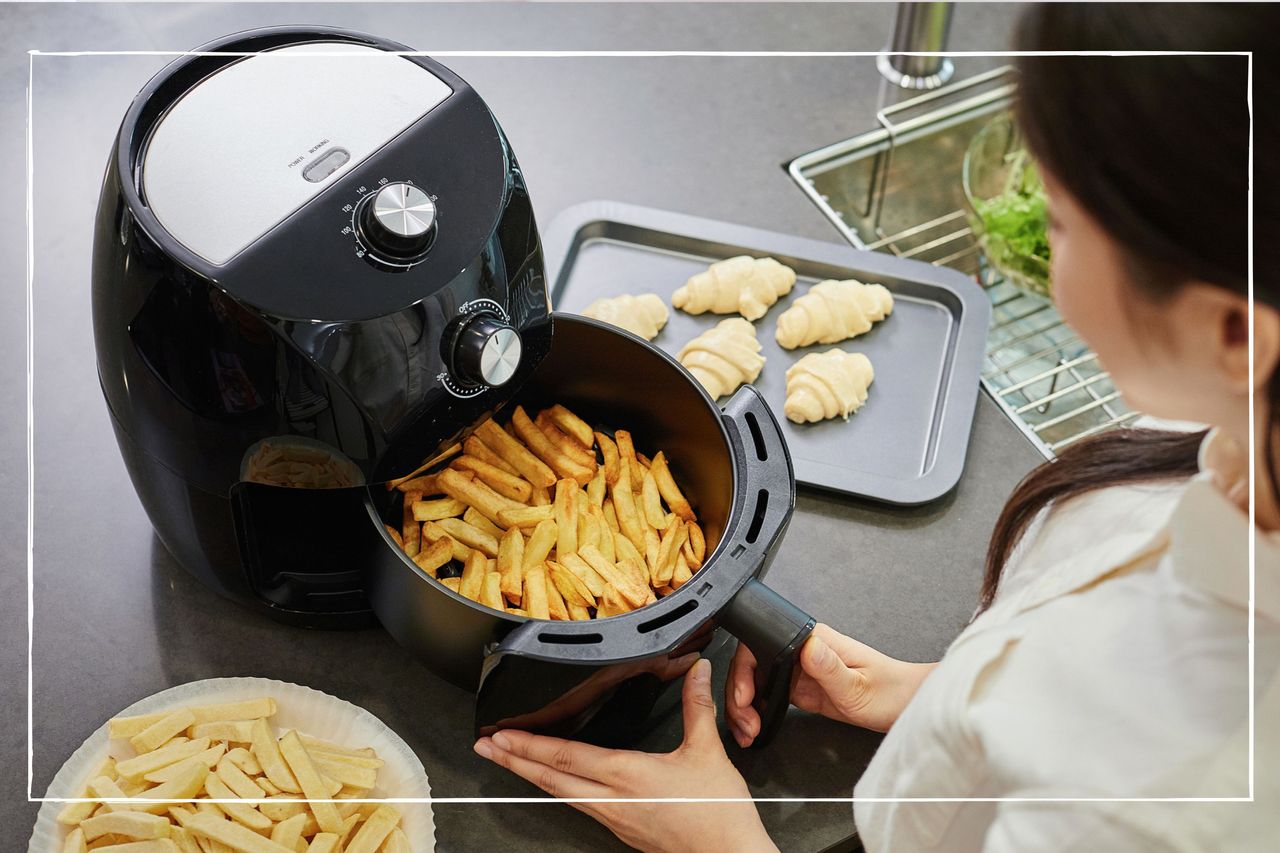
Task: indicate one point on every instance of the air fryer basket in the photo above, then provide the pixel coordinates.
(734, 468)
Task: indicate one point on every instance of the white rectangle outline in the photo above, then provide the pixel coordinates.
(638, 54)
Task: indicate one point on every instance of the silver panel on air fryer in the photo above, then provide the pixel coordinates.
(231, 159)
(907, 445)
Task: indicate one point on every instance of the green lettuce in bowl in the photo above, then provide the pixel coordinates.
(1009, 215)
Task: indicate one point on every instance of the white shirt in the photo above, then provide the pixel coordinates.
(1113, 663)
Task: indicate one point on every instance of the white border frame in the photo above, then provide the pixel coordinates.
(579, 54)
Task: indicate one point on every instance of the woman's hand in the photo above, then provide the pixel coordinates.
(697, 768)
(838, 677)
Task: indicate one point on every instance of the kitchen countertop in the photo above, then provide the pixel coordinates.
(116, 619)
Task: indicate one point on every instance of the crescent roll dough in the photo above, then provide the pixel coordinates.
(724, 357)
(833, 311)
(745, 285)
(643, 315)
(825, 384)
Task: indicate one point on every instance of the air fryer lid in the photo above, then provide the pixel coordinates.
(260, 138)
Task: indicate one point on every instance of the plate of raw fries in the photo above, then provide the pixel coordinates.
(546, 517)
(184, 758)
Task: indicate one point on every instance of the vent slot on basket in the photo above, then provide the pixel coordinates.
(757, 519)
(753, 426)
(667, 618)
(570, 639)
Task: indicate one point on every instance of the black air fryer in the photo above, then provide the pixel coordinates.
(315, 265)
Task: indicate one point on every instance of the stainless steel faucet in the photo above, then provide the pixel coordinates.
(919, 27)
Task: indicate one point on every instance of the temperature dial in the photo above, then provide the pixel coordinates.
(486, 351)
(398, 222)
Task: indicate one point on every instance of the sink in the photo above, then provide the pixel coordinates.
(897, 188)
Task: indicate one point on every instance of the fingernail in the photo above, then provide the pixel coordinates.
(502, 741)
(821, 651)
(702, 670)
(483, 749)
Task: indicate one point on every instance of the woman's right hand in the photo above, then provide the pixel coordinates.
(838, 677)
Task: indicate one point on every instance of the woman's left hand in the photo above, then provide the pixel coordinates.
(699, 767)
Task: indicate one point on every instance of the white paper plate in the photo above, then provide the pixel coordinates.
(309, 711)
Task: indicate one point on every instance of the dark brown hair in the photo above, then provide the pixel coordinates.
(1155, 148)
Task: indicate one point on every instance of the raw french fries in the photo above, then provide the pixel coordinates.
(234, 757)
(542, 517)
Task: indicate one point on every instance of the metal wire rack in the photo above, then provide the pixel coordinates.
(898, 189)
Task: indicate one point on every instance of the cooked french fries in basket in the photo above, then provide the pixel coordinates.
(548, 518)
(184, 794)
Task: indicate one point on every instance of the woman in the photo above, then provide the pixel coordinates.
(1109, 657)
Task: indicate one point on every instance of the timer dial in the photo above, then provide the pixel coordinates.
(398, 222)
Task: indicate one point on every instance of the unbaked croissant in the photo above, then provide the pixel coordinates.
(833, 311)
(724, 356)
(825, 384)
(743, 284)
(643, 315)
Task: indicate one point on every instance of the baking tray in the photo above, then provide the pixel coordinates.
(907, 444)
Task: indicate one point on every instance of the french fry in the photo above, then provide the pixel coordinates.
(669, 490)
(511, 564)
(181, 787)
(555, 601)
(209, 758)
(239, 812)
(244, 759)
(432, 532)
(651, 501)
(682, 573)
(374, 830)
(698, 542)
(533, 469)
(627, 456)
(74, 842)
(477, 520)
(596, 487)
(565, 509)
(472, 537)
(687, 551)
(610, 515)
(454, 583)
(571, 424)
(535, 593)
(473, 572)
(133, 769)
(672, 542)
(540, 543)
(526, 517)
(506, 483)
(590, 578)
(437, 509)
(609, 450)
(606, 541)
(652, 550)
(73, 813)
(156, 734)
(267, 752)
(234, 778)
(299, 761)
(249, 709)
(621, 579)
(625, 550)
(475, 493)
(287, 833)
(541, 496)
(397, 842)
(395, 535)
(106, 789)
(624, 504)
(129, 824)
(567, 444)
(536, 440)
(434, 555)
(324, 842)
(236, 731)
(315, 744)
(410, 530)
(425, 484)
(612, 604)
(477, 449)
(238, 838)
(572, 588)
(491, 591)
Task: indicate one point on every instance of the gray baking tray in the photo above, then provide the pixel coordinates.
(907, 444)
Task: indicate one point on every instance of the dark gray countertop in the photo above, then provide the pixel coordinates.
(116, 619)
